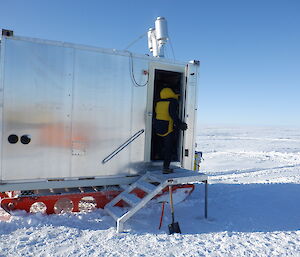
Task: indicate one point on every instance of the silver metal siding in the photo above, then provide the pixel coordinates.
(138, 113)
(37, 102)
(2, 44)
(77, 105)
(107, 111)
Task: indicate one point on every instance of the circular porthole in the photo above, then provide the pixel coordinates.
(63, 205)
(38, 207)
(25, 139)
(87, 204)
(13, 139)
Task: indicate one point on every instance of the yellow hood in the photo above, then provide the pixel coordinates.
(166, 93)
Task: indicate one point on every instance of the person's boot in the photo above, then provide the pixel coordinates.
(167, 170)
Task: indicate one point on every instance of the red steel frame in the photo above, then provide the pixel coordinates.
(101, 198)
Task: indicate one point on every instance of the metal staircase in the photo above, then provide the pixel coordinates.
(121, 215)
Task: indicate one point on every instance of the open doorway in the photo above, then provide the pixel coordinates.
(173, 80)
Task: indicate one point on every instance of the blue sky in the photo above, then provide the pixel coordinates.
(249, 50)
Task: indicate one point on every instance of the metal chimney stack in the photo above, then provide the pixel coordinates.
(158, 37)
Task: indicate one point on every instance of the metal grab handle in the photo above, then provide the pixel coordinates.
(121, 147)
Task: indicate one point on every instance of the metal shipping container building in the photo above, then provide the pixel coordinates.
(72, 112)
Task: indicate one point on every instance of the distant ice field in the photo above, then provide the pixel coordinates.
(250, 154)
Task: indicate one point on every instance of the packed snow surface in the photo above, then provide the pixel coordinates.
(254, 210)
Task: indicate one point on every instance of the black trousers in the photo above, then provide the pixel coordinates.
(169, 146)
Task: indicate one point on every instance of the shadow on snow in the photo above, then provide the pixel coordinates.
(242, 208)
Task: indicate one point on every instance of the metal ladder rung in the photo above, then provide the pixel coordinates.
(145, 186)
(131, 199)
(114, 201)
(115, 211)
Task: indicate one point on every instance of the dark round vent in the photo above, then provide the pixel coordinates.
(13, 139)
(25, 139)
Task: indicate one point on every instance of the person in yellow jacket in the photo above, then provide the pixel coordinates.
(167, 124)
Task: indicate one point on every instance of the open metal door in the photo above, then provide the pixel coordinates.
(166, 70)
(190, 109)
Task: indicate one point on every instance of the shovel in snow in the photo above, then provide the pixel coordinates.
(174, 226)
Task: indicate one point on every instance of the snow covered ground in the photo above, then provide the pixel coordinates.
(254, 208)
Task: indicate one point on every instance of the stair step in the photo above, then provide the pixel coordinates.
(156, 178)
(124, 187)
(115, 211)
(115, 200)
(145, 186)
(131, 199)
